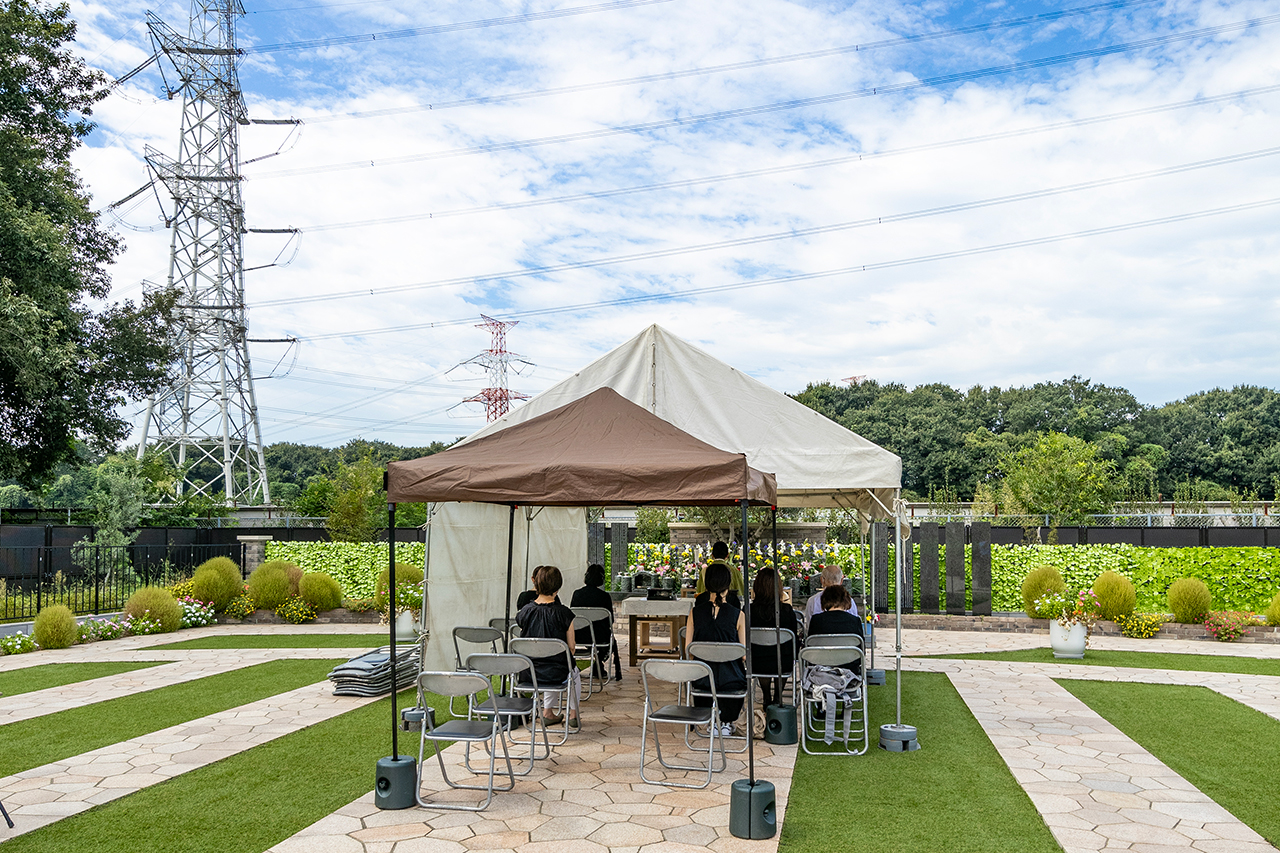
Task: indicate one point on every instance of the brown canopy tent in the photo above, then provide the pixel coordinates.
(598, 450)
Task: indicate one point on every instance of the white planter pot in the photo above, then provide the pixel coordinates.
(1067, 642)
(406, 627)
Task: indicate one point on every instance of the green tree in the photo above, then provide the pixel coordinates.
(359, 505)
(652, 524)
(1061, 477)
(65, 367)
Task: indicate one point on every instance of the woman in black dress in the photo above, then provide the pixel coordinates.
(546, 617)
(764, 659)
(591, 595)
(835, 617)
(714, 620)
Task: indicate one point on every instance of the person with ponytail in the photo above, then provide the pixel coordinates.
(715, 620)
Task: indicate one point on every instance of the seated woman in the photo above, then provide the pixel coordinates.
(831, 575)
(532, 592)
(591, 595)
(546, 617)
(764, 659)
(835, 617)
(714, 620)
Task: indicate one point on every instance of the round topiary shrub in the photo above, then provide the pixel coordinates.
(269, 585)
(1116, 595)
(1038, 581)
(320, 590)
(1273, 612)
(1189, 600)
(217, 581)
(405, 573)
(155, 604)
(55, 627)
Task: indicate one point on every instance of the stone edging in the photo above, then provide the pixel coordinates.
(1026, 625)
(341, 616)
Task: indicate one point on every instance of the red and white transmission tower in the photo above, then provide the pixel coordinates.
(496, 360)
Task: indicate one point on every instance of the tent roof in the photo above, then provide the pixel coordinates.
(817, 461)
(598, 450)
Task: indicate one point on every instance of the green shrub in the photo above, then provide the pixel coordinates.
(218, 582)
(405, 573)
(1189, 600)
(1117, 595)
(241, 607)
(1039, 581)
(55, 627)
(294, 574)
(296, 611)
(183, 588)
(354, 565)
(358, 605)
(155, 604)
(1140, 625)
(269, 585)
(1273, 612)
(321, 591)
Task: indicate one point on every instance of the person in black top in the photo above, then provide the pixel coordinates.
(532, 592)
(835, 617)
(591, 595)
(764, 659)
(713, 619)
(546, 617)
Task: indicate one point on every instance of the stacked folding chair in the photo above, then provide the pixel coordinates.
(370, 673)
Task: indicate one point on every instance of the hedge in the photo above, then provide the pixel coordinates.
(354, 565)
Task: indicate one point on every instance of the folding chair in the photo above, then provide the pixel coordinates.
(593, 615)
(504, 703)
(843, 641)
(718, 653)
(852, 701)
(489, 732)
(771, 638)
(537, 648)
(681, 673)
(476, 636)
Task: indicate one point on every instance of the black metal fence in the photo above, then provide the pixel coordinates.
(92, 578)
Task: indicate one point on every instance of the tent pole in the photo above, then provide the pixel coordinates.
(746, 613)
(777, 605)
(391, 610)
(511, 544)
(898, 737)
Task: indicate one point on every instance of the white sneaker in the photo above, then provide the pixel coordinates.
(726, 730)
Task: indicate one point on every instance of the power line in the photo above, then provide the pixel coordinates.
(916, 38)
(791, 234)
(762, 109)
(415, 32)
(795, 167)
(798, 277)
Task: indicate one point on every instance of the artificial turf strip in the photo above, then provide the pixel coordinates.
(1228, 750)
(955, 794)
(1137, 660)
(281, 641)
(40, 740)
(245, 803)
(59, 674)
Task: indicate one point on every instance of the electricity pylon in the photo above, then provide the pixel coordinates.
(496, 360)
(207, 419)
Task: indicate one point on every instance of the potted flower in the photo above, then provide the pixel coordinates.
(409, 602)
(1070, 621)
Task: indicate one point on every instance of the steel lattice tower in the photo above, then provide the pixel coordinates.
(208, 415)
(497, 397)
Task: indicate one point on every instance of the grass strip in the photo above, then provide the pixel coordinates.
(954, 794)
(1137, 660)
(40, 740)
(281, 641)
(242, 804)
(48, 675)
(1228, 750)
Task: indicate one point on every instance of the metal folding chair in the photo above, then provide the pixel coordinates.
(852, 723)
(681, 673)
(843, 641)
(537, 648)
(593, 615)
(489, 732)
(772, 638)
(504, 703)
(718, 653)
(472, 636)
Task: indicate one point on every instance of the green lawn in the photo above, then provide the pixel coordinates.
(31, 743)
(1138, 660)
(242, 804)
(58, 674)
(282, 641)
(1228, 750)
(955, 794)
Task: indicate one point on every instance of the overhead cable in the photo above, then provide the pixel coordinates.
(818, 100)
(791, 234)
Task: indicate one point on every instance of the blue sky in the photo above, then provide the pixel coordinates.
(1158, 274)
